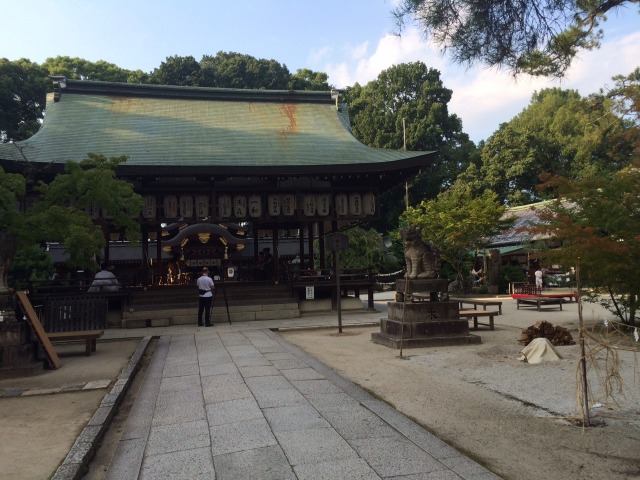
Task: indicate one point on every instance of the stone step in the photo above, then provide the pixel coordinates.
(184, 316)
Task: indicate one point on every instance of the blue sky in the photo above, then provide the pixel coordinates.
(351, 40)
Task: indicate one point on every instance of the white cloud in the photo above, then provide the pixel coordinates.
(484, 97)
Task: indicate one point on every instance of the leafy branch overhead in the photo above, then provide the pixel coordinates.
(538, 37)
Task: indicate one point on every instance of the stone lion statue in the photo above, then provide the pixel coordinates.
(422, 258)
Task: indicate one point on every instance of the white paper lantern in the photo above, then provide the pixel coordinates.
(342, 205)
(323, 204)
(274, 205)
(355, 204)
(309, 205)
(186, 206)
(149, 206)
(288, 205)
(224, 206)
(240, 206)
(170, 206)
(369, 204)
(255, 206)
(202, 206)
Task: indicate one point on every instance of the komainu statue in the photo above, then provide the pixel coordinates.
(422, 259)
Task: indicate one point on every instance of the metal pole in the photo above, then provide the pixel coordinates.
(338, 293)
(583, 359)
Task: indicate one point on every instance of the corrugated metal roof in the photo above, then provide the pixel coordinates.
(198, 127)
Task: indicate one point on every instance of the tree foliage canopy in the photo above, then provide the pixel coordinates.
(538, 37)
(560, 133)
(23, 89)
(598, 221)
(457, 221)
(24, 84)
(62, 212)
(410, 101)
(364, 252)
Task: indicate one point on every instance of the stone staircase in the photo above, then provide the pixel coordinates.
(178, 305)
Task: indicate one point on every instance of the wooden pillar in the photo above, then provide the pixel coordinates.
(310, 242)
(274, 249)
(256, 242)
(144, 269)
(301, 247)
(323, 256)
(158, 269)
(107, 238)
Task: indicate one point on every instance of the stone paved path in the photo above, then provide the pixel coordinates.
(248, 405)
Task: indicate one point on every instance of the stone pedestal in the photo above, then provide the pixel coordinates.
(17, 351)
(426, 318)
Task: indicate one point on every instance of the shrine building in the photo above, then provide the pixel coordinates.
(224, 173)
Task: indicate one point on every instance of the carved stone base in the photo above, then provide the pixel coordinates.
(423, 324)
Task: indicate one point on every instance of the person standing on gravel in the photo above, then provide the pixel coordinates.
(538, 275)
(205, 289)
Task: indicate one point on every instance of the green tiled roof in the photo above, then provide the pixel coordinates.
(162, 126)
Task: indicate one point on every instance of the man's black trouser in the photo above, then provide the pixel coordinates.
(204, 305)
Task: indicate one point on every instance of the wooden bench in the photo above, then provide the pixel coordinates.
(475, 303)
(538, 301)
(89, 336)
(468, 314)
(571, 296)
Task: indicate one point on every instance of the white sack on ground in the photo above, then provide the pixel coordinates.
(540, 350)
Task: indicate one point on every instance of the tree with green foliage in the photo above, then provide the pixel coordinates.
(305, 79)
(176, 70)
(23, 90)
(12, 188)
(559, 133)
(409, 101)
(31, 264)
(81, 69)
(62, 212)
(457, 222)
(598, 222)
(538, 37)
(236, 70)
(365, 250)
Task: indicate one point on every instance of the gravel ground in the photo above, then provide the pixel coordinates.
(519, 420)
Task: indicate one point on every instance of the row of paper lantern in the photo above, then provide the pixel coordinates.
(243, 206)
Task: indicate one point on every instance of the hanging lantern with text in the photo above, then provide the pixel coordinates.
(342, 205)
(239, 206)
(149, 207)
(186, 206)
(288, 205)
(369, 204)
(323, 204)
(274, 205)
(255, 206)
(309, 205)
(202, 206)
(224, 206)
(170, 204)
(355, 204)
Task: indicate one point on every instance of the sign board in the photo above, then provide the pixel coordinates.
(337, 241)
(310, 292)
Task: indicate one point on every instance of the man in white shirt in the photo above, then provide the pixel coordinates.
(205, 288)
(538, 278)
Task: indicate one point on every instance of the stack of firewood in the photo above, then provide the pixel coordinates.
(542, 329)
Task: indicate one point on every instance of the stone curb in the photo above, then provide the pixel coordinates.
(75, 464)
